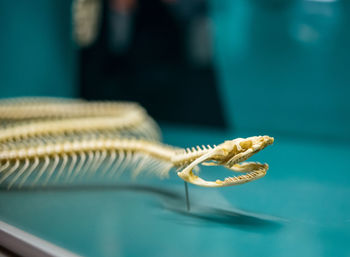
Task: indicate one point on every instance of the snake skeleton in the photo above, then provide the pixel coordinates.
(47, 140)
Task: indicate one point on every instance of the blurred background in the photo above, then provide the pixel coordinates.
(272, 66)
(207, 71)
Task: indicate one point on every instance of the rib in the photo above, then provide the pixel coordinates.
(126, 152)
(51, 140)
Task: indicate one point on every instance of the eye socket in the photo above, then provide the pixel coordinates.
(246, 144)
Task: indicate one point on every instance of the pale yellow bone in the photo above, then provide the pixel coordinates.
(52, 134)
(229, 154)
(146, 151)
(34, 117)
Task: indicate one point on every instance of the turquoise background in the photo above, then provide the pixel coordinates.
(283, 68)
(37, 54)
(284, 65)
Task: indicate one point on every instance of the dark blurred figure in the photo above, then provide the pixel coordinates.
(158, 53)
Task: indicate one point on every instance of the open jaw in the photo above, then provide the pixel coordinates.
(231, 155)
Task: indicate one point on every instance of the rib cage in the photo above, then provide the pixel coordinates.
(50, 140)
(21, 118)
(68, 168)
(35, 123)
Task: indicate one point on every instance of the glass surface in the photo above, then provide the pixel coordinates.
(300, 208)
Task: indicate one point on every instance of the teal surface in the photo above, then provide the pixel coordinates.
(300, 208)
